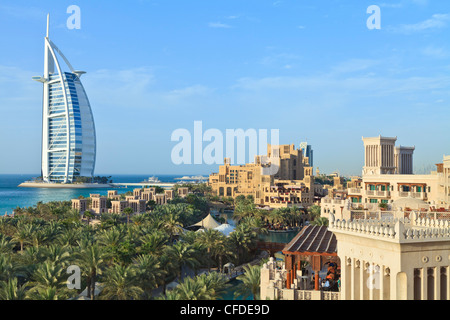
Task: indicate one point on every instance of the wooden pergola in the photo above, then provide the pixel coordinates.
(314, 244)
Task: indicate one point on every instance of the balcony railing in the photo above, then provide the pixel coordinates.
(378, 193)
(356, 191)
(416, 195)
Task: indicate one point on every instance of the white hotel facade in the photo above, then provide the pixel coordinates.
(68, 129)
(388, 178)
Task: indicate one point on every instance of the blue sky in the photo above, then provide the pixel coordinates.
(311, 69)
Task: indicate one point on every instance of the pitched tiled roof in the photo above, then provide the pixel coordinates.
(313, 239)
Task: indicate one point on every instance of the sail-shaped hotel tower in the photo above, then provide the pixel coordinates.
(68, 129)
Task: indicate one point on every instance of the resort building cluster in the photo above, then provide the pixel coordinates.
(98, 204)
(389, 184)
(292, 185)
(388, 236)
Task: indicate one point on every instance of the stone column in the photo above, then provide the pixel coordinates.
(371, 277)
(352, 279)
(381, 296)
(361, 280)
(437, 283)
(424, 283)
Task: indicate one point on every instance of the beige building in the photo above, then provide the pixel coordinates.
(117, 206)
(138, 201)
(160, 198)
(379, 259)
(183, 192)
(98, 204)
(80, 204)
(138, 205)
(388, 176)
(292, 185)
(168, 194)
(393, 259)
(147, 194)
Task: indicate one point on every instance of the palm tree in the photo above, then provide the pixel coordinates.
(8, 268)
(153, 243)
(91, 259)
(170, 295)
(128, 211)
(139, 220)
(190, 289)
(244, 209)
(183, 254)
(320, 221)
(314, 212)
(215, 283)
(23, 234)
(9, 290)
(172, 225)
(210, 238)
(256, 224)
(111, 239)
(38, 237)
(43, 294)
(168, 267)
(68, 236)
(148, 271)
(48, 278)
(221, 250)
(242, 239)
(89, 215)
(6, 245)
(57, 254)
(251, 280)
(120, 283)
(30, 259)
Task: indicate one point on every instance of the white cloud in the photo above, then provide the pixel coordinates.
(218, 25)
(183, 93)
(437, 21)
(280, 59)
(24, 13)
(420, 2)
(435, 52)
(277, 3)
(391, 5)
(354, 65)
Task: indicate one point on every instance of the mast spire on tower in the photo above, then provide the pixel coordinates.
(48, 23)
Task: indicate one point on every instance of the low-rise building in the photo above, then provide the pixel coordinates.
(138, 205)
(80, 204)
(291, 185)
(98, 204)
(117, 206)
(183, 192)
(388, 176)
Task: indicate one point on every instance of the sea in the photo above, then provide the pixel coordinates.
(11, 196)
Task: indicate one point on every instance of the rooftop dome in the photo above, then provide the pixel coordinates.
(410, 202)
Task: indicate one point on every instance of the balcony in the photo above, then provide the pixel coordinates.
(376, 193)
(292, 294)
(416, 195)
(357, 191)
(383, 194)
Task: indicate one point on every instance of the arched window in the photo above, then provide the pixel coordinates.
(430, 283)
(444, 283)
(417, 285)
